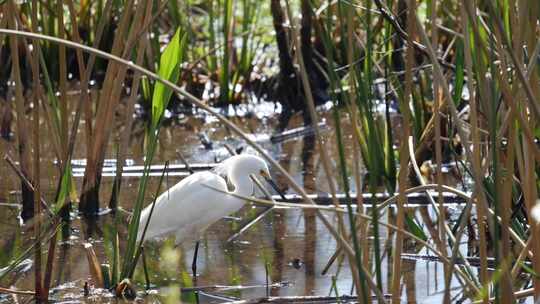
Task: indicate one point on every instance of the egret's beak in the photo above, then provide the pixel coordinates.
(270, 181)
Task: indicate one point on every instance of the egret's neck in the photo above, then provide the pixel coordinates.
(243, 185)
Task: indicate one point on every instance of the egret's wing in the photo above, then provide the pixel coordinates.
(188, 204)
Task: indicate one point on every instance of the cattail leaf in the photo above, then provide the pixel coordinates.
(414, 228)
(460, 72)
(169, 68)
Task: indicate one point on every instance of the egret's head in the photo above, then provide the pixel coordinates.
(252, 165)
(247, 165)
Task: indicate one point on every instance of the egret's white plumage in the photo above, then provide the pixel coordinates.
(190, 206)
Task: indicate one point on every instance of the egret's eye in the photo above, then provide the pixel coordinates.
(263, 173)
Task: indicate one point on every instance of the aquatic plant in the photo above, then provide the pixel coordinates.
(411, 83)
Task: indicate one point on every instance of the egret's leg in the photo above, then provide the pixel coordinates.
(194, 264)
(194, 269)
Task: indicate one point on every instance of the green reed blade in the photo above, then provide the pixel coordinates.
(224, 77)
(460, 72)
(169, 68)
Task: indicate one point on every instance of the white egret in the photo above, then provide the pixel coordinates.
(191, 206)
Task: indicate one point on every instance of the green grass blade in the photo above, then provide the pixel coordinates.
(174, 12)
(414, 228)
(225, 73)
(169, 68)
(460, 72)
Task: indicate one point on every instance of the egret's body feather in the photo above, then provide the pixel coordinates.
(196, 202)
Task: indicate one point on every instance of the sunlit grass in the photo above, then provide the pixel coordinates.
(441, 81)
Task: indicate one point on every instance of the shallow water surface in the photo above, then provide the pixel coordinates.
(287, 248)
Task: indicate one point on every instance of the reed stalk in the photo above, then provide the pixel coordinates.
(227, 28)
(89, 201)
(22, 126)
(487, 42)
(94, 265)
(336, 86)
(42, 291)
(104, 17)
(404, 163)
(128, 120)
(437, 97)
(364, 276)
(212, 59)
(476, 161)
(62, 76)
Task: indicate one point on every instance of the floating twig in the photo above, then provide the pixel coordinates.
(296, 132)
(221, 288)
(474, 261)
(184, 161)
(140, 168)
(412, 198)
(220, 298)
(301, 299)
(18, 292)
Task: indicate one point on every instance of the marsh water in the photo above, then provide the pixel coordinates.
(288, 248)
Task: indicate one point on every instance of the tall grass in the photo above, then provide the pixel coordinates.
(426, 55)
(200, 104)
(102, 30)
(22, 123)
(445, 104)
